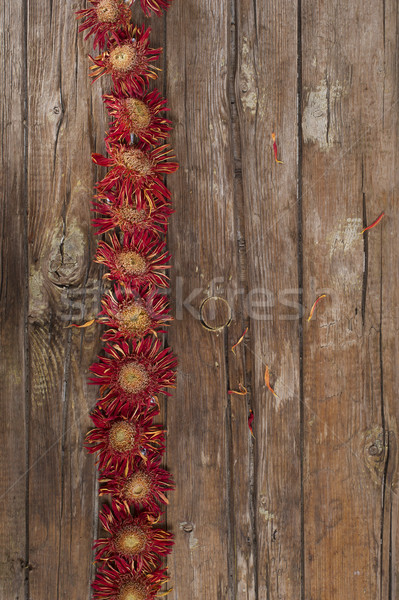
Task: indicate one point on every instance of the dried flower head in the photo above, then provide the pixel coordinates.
(135, 168)
(132, 538)
(119, 580)
(128, 60)
(140, 259)
(137, 115)
(134, 215)
(129, 312)
(143, 487)
(134, 374)
(106, 17)
(119, 438)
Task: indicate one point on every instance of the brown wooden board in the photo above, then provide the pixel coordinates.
(349, 113)
(13, 305)
(266, 83)
(66, 123)
(203, 243)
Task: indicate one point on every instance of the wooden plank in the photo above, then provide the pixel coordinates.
(380, 184)
(200, 449)
(266, 98)
(231, 79)
(66, 125)
(13, 555)
(349, 146)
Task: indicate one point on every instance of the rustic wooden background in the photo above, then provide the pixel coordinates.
(308, 510)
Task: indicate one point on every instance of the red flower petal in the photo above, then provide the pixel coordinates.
(119, 438)
(106, 17)
(155, 6)
(138, 115)
(134, 374)
(132, 538)
(134, 168)
(128, 60)
(117, 579)
(140, 259)
(130, 312)
(132, 215)
(143, 486)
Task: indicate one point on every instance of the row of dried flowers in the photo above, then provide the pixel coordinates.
(133, 202)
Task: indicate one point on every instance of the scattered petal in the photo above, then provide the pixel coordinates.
(242, 390)
(275, 149)
(267, 382)
(374, 223)
(87, 324)
(240, 340)
(250, 421)
(314, 305)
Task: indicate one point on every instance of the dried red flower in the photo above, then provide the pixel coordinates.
(140, 259)
(120, 438)
(120, 581)
(135, 168)
(128, 60)
(134, 374)
(156, 6)
(132, 538)
(130, 312)
(138, 115)
(131, 216)
(106, 17)
(143, 487)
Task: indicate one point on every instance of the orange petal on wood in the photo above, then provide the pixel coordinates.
(240, 340)
(275, 149)
(87, 324)
(314, 305)
(374, 223)
(267, 382)
(242, 390)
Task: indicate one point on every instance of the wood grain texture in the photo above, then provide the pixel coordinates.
(66, 122)
(13, 302)
(199, 417)
(350, 419)
(308, 508)
(266, 99)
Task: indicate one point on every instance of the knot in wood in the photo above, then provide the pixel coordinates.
(215, 313)
(375, 449)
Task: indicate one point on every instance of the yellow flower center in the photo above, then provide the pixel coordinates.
(138, 112)
(132, 262)
(137, 487)
(123, 58)
(122, 436)
(132, 590)
(107, 11)
(133, 378)
(134, 319)
(128, 214)
(135, 160)
(131, 541)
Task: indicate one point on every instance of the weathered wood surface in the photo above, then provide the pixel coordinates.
(308, 509)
